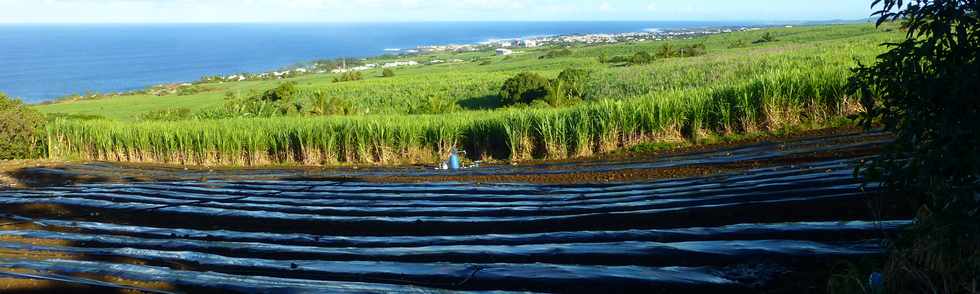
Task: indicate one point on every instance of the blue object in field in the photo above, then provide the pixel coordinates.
(453, 160)
(876, 281)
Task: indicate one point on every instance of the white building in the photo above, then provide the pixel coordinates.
(504, 52)
(399, 63)
(529, 43)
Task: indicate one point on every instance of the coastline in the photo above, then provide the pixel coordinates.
(404, 56)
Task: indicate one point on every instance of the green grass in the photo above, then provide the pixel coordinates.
(796, 80)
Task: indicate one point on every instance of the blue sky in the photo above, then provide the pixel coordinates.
(157, 11)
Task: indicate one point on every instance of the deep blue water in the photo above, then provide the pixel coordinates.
(41, 62)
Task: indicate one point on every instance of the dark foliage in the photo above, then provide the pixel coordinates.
(925, 91)
(692, 51)
(281, 100)
(737, 44)
(524, 89)
(284, 93)
(348, 77)
(666, 51)
(766, 38)
(641, 58)
(556, 54)
(533, 90)
(618, 59)
(434, 105)
(669, 51)
(21, 130)
(387, 73)
(176, 114)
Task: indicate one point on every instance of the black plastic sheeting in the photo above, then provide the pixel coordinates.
(724, 233)
(226, 282)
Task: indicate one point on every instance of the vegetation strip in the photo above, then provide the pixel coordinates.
(797, 78)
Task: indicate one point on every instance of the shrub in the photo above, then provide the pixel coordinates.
(175, 114)
(213, 113)
(641, 58)
(282, 99)
(250, 106)
(524, 88)
(737, 44)
(348, 77)
(618, 59)
(666, 51)
(192, 89)
(21, 130)
(692, 51)
(284, 93)
(387, 73)
(534, 90)
(766, 38)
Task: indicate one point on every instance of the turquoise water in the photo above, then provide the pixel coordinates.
(41, 62)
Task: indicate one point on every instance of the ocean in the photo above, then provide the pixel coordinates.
(43, 62)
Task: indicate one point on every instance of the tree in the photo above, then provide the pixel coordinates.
(736, 44)
(348, 77)
(666, 51)
(283, 98)
(283, 93)
(924, 90)
(767, 37)
(524, 88)
(641, 58)
(21, 130)
(387, 73)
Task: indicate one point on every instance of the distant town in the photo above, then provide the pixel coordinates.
(580, 39)
(500, 47)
